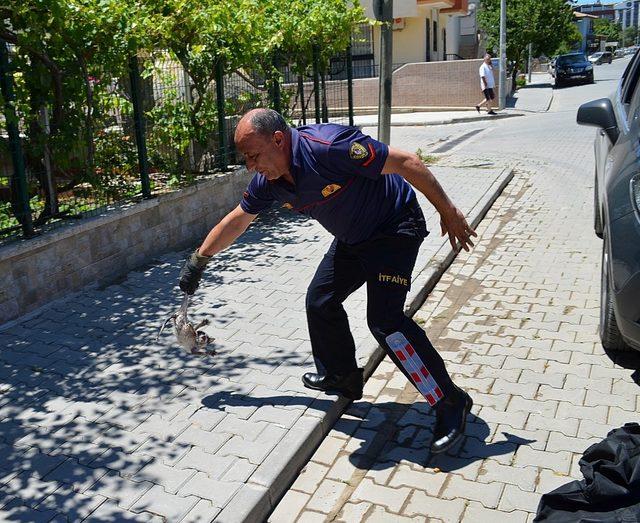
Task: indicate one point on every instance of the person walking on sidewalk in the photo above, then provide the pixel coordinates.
(487, 84)
(356, 187)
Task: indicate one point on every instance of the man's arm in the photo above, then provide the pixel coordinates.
(412, 169)
(218, 239)
(226, 232)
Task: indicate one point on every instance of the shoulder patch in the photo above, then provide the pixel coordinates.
(287, 205)
(357, 151)
(330, 189)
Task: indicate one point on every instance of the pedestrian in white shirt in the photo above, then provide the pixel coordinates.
(487, 83)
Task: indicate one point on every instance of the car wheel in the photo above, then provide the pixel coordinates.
(597, 217)
(559, 84)
(609, 332)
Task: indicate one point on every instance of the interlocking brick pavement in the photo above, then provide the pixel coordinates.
(517, 321)
(99, 418)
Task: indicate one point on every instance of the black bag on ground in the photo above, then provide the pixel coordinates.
(610, 490)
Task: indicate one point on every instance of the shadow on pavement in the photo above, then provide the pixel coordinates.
(628, 360)
(88, 397)
(407, 435)
(390, 432)
(225, 399)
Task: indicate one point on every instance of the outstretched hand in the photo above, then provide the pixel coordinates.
(455, 225)
(190, 276)
(191, 272)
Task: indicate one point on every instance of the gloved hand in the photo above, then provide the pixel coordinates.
(192, 272)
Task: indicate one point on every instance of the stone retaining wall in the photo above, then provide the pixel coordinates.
(98, 250)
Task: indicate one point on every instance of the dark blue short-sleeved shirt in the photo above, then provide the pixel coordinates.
(338, 181)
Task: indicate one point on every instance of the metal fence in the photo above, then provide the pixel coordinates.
(144, 133)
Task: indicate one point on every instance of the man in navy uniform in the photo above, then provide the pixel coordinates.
(356, 187)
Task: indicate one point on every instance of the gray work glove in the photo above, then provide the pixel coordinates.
(192, 272)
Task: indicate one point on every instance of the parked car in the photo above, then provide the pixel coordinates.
(573, 67)
(617, 207)
(601, 57)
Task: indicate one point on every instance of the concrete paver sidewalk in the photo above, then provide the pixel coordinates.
(100, 419)
(517, 321)
(534, 97)
(518, 325)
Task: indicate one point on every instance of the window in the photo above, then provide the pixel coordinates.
(435, 36)
(428, 41)
(362, 40)
(568, 59)
(634, 106)
(444, 44)
(631, 96)
(362, 51)
(629, 80)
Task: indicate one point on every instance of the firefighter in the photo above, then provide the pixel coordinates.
(361, 191)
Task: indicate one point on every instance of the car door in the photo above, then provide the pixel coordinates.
(622, 227)
(602, 145)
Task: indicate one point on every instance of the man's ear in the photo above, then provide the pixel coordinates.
(278, 138)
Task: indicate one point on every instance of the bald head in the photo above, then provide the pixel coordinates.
(264, 138)
(263, 122)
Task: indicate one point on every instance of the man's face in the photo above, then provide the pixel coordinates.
(267, 155)
(487, 59)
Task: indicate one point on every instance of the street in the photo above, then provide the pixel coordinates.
(516, 321)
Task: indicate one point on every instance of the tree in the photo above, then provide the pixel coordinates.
(547, 24)
(66, 53)
(607, 29)
(247, 37)
(629, 36)
(71, 60)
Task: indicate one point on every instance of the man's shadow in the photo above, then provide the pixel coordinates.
(390, 432)
(404, 432)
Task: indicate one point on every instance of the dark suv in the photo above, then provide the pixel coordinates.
(617, 207)
(573, 67)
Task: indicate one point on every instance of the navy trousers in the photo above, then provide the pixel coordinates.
(385, 264)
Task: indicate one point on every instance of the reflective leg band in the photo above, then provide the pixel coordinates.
(414, 366)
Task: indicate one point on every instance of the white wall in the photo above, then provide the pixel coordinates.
(408, 43)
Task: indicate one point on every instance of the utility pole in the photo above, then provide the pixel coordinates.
(529, 63)
(384, 13)
(502, 91)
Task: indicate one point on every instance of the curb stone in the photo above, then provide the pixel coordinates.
(447, 121)
(255, 500)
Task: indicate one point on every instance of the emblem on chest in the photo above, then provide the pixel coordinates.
(330, 189)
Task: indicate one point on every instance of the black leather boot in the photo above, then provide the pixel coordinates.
(349, 385)
(451, 416)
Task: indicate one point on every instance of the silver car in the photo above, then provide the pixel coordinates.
(617, 207)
